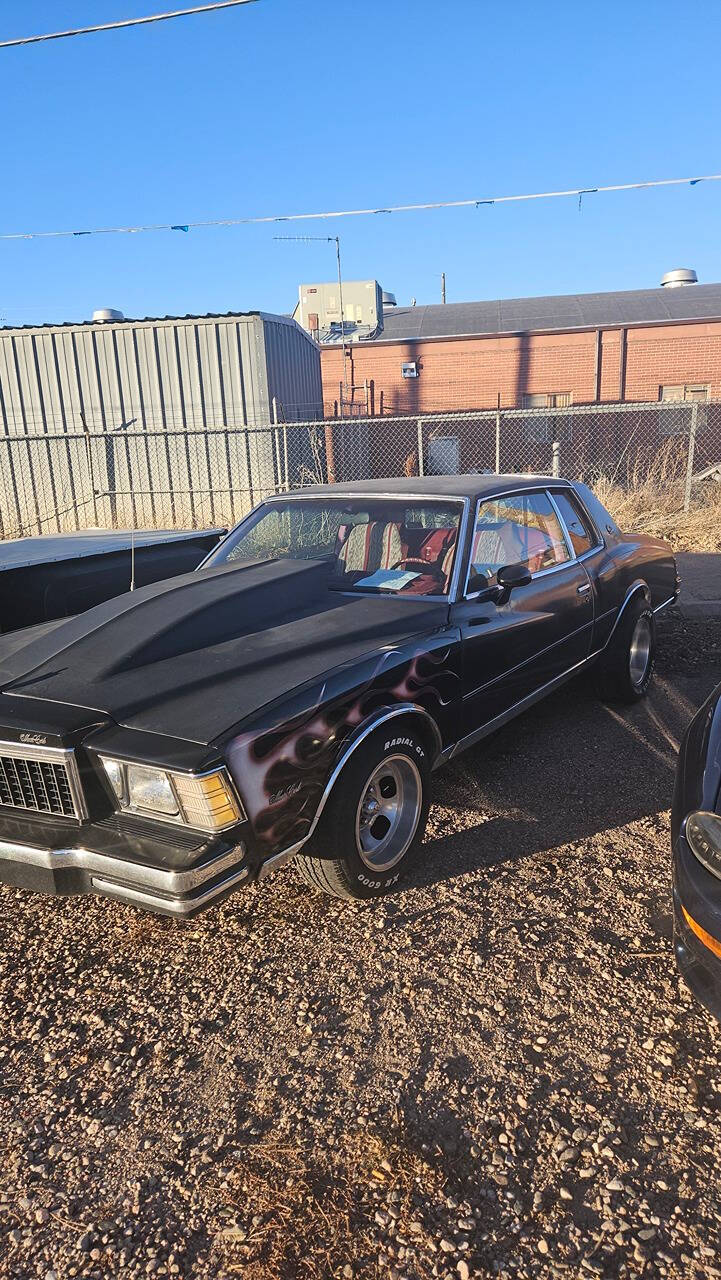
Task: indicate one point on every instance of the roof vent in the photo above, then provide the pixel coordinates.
(678, 277)
(389, 299)
(103, 314)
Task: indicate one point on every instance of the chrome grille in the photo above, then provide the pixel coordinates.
(39, 781)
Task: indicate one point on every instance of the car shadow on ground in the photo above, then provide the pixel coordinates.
(434, 1133)
(566, 770)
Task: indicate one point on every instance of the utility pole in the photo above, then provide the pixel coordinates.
(443, 286)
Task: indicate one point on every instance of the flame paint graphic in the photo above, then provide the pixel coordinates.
(281, 771)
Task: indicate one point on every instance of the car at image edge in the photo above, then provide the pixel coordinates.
(696, 839)
(292, 696)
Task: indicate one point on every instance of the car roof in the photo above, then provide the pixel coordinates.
(461, 486)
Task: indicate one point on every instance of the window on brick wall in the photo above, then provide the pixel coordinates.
(677, 422)
(540, 430)
(548, 400)
(684, 391)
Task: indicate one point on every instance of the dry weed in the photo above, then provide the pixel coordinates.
(312, 1210)
(644, 494)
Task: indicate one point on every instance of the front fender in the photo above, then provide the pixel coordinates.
(286, 765)
(384, 716)
(698, 773)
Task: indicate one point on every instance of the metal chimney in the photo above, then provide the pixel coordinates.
(679, 277)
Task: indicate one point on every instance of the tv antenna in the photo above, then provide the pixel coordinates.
(336, 241)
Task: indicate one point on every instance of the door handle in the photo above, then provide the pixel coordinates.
(584, 589)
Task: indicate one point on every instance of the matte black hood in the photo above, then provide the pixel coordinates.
(194, 656)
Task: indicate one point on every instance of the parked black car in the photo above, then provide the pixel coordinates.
(696, 835)
(292, 697)
(55, 575)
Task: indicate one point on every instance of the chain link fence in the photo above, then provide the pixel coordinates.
(178, 477)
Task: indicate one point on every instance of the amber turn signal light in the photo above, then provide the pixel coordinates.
(708, 941)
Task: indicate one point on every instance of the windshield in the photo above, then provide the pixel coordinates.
(372, 544)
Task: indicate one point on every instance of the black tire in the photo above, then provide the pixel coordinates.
(334, 859)
(625, 668)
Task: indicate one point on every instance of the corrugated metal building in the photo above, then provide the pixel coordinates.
(155, 421)
(190, 371)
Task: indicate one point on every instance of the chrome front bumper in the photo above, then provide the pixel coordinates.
(79, 870)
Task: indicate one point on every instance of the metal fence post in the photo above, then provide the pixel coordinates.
(276, 444)
(556, 462)
(91, 469)
(421, 470)
(498, 442)
(689, 459)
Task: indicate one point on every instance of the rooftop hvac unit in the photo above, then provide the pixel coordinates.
(104, 314)
(319, 310)
(678, 277)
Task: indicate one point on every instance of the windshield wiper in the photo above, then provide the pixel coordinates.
(366, 591)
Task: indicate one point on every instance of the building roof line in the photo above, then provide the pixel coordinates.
(525, 333)
(210, 316)
(564, 313)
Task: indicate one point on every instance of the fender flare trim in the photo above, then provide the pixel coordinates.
(638, 585)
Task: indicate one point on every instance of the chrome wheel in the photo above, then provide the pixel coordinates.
(388, 812)
(640, 652)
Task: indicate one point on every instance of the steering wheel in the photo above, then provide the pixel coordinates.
(416, 562)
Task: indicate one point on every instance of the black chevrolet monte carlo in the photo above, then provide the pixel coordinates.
(696, 834)
(292, 697)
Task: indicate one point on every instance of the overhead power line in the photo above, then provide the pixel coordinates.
(127, 22)
(360, 213)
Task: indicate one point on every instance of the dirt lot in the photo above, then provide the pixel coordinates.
(496, 1072)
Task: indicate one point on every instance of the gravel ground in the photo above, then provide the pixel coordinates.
(496, 1072)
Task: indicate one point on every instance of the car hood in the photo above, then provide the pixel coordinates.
(196, 655)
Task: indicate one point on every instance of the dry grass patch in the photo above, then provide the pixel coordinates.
(645, 494)
(301, 1214)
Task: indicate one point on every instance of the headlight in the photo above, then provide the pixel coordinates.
(703, 833)
(207, 801)
(150, 789)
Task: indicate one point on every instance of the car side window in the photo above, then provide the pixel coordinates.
(522, 528)
(580, 530)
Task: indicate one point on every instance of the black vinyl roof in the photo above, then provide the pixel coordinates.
(561, 313)
(461, 486)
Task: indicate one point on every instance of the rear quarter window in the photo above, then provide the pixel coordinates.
(603, 520)
(580, 529)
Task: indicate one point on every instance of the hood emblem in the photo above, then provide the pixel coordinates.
(34, 739)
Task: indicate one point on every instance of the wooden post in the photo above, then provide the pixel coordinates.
(330, 454)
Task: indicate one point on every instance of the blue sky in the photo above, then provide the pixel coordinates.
(294, 105)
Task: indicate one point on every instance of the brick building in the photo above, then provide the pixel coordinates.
(636, 345)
